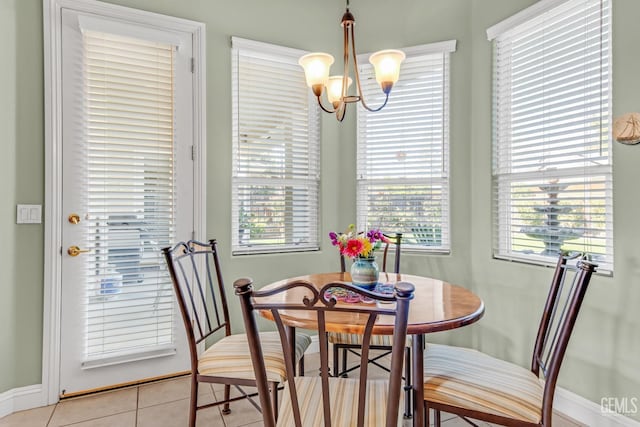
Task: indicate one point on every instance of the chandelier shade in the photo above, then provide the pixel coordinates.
(316, 69)
(386, 64)
(334, 89)
(317, 66)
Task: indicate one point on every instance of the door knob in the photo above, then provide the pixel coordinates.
(75, 251)
(74, 218)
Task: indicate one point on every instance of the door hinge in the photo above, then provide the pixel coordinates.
(193, 152)
(193, 65)
(193, 235)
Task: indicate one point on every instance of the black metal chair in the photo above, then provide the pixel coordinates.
(195, 271)
(351, 343)
(474, 385)
(326, 400)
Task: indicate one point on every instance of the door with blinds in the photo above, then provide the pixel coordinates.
(127, 192)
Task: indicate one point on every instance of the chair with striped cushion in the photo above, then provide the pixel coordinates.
(195, 271)
(353, 342)
(474, 385)
(326, 400)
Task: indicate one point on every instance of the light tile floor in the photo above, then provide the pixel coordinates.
(166, 404)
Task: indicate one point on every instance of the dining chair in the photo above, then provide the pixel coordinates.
(194, 268)
(326, 400)
(352, 343)
(475, 385)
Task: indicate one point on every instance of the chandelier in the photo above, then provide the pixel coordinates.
(316, 69)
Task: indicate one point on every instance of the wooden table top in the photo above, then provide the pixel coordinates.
(437, 305)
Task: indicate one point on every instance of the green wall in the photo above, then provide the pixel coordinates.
(601, 359)
(21, 181)
(8, 127)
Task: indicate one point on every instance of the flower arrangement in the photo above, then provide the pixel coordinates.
(358, 245)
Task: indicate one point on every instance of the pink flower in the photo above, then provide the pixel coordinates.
(353, 248)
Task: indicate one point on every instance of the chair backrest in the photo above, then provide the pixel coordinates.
(564, 300)
(323, 313)
(195, 272)
(394, 239)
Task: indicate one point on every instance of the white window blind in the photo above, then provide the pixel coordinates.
(552, 161)
(129, 192)
(276, 143)
(403, 151)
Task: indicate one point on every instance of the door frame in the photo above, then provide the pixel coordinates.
(53, 215)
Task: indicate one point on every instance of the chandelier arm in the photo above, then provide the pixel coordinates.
(345, 57)
(323, 107)
(355, 67)
(340, 112)
(373, 110)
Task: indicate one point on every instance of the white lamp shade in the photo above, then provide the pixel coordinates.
(334, 88)
(387, 65)
(316, 67)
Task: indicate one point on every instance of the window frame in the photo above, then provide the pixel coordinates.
(310, 181)
(521, 23)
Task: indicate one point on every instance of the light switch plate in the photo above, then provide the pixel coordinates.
(29, 214)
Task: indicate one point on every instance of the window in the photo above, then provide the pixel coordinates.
(552, 161)
(403, 151)
(276, 140)
(129, 188)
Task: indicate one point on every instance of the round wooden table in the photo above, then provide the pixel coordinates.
(437, 306)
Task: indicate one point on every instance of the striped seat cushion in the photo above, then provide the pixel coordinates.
(469, 379)
(230, 357)
(343, 403)
(356, 339)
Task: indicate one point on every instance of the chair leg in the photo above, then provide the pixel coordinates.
(344, 363)
(407, 382)
(436, 418)
(274, 399)
(227, 395)
(336, 360)
(193, 403)
(301, 366)
(427, 415)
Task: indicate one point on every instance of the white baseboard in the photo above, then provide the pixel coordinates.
(19, 399)
(587, 412)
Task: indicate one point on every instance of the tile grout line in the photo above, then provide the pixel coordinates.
(55, 406)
